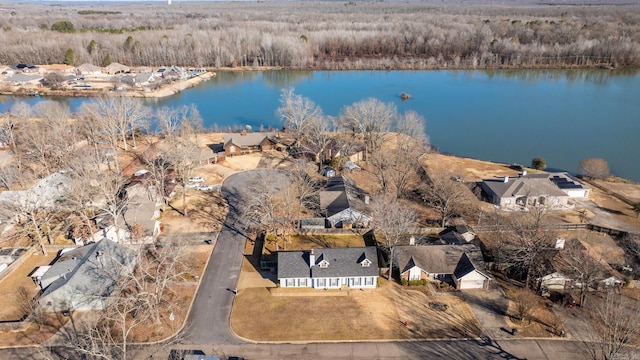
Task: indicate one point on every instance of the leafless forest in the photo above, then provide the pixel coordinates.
(324, 35)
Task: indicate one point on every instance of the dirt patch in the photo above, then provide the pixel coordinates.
(388, 312)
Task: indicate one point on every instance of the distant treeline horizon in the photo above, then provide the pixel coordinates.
(322, 35)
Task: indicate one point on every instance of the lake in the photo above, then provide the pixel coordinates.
(506, 116)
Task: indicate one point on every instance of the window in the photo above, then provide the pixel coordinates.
(335, 282)
(321, 282)
(365, 263)
(291, 282)
(368, 281)
(302, 282)
(324, 264)
(232, 149)
(357, 281)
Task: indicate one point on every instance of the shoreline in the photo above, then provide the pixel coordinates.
(164, 91)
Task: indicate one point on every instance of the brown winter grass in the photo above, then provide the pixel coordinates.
(306, 242)
(360, 315)
(11, 309)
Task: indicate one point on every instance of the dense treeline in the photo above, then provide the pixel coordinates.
(332, 35)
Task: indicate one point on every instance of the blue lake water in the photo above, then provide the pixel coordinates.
(505, 116)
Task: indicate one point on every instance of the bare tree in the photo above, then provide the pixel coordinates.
(448, 197)
(525, 303)
(528, 246)
(297, 113)
(615, 335)
(372, 119)
(267, 208)
(595, 168)
(181, 156)
(118, 116)
(394, 220)
(582, 265)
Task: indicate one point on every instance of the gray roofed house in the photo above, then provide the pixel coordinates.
(84, 278)
(43, 194)
(344, 204)
(117, 68)
(329, 268)
(24, 79)
(246, 142)
(524, 191)
(462, 263)
(88, 69)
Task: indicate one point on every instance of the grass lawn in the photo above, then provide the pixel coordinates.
(362, 315)
(10, 309)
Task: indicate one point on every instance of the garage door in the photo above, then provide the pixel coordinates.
(471, 284)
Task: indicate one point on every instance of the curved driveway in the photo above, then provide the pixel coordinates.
(208, 321)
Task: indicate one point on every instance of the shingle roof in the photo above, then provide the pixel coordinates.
(341, 193)
(343, 262)
(92, 269)
(248, 139)
(465, 266)
(526, 186)
(437, 259)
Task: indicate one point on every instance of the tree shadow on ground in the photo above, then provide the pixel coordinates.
(483, 348)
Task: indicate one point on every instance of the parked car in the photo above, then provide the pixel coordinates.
(206, 187)
(196, 179)
(191, 185)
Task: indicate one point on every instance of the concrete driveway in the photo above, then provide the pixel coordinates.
(490, 307)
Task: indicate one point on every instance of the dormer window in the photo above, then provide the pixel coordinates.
(324, 264)
(365, 263)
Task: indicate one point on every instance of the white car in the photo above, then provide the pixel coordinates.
(206, 187)
(197, 179)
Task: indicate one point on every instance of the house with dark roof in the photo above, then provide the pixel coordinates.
(85, 277)
(463, 265)
(329, 268)
(524, 191)
(343, 204)
(244, 142)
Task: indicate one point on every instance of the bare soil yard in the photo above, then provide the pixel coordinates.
(361, 315)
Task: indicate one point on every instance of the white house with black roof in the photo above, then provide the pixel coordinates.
(329, 268)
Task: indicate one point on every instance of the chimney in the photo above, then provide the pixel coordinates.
(412, 240)
(243, 133)
(366, 199)
(506, 179)
(312, 259)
